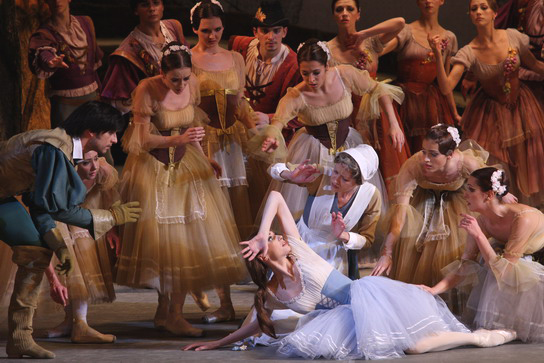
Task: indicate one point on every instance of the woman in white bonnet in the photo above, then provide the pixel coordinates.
(341, 213)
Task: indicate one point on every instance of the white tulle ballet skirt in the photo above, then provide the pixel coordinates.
(384, 319)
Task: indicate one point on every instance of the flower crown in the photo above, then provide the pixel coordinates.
(496, 184)
(199, 3)
(323, 46)
(176, 48)
(453, 131)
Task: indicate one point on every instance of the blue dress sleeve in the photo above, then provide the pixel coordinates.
(58, 191)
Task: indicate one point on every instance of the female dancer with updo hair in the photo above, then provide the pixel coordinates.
(503, 116)
(222, 77)
(370, 318)
(361, 50)
(510, 287)
(422, 229)
(322, 102)
(424, 106)
(186, 239)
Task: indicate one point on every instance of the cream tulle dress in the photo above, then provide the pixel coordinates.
(92, 278)
(326, 130)
(226, 132)
(186, 237)
(430, 238)
(508, 295)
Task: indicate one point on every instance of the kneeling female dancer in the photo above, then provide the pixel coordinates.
(403, 318)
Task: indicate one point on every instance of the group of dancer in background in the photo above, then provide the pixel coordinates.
(219, 141)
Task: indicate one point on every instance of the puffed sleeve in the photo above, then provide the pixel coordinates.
(464, 57)
(375, 44)
(144, 107)
(474, 157)
(366, 228)
(521, 42)
(288, 108)
(359, 82)
(453, 46)
(404, 36)
(41, 49)
(406, 180)
(519, 275)
(58, 191)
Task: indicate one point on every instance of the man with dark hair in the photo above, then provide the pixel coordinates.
(271, 68)
(39, 165)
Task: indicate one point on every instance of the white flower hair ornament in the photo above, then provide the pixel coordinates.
(176, 48)
(200, 2)
(496, 184)
(322, 45)
(454, 134)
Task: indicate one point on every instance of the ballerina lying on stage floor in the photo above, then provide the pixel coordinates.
(338, 325)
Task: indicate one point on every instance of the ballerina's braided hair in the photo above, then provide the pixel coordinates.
(259, 274)
(484, 180)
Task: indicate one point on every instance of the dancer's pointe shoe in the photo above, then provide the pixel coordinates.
(493, 338)
(201, 299)
(62, 330)
(84, 334)
(220, 315)
(181, 327)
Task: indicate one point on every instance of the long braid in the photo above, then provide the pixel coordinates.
(258, 271)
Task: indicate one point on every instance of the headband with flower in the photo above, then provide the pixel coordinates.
(496, 184)
(199, 3)
(176, 48)
(323, 46)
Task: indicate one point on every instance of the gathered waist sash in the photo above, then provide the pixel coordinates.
(332, 135)
(171, 155)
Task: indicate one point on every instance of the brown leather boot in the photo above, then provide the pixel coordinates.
(32, 262)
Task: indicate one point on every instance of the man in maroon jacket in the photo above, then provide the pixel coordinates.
(271, 68)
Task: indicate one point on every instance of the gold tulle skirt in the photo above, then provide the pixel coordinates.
(426, 246)
(186, 237)
(92, 279)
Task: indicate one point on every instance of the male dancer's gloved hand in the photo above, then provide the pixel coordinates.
(54, 240)
(125, 213)
(104, 220)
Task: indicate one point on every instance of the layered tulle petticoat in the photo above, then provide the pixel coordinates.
(92, 279)
(385, 318)
(506, 295)
(186, 238)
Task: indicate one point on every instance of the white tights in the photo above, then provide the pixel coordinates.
(448, 340)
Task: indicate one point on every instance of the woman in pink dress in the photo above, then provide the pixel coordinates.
(424, 106)
(504, 116)
(361, 50)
